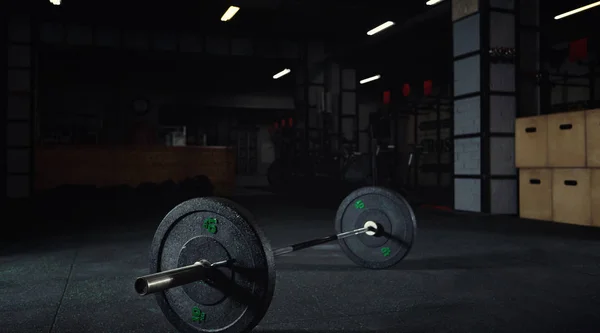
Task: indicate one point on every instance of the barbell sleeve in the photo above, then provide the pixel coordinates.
(161, 281)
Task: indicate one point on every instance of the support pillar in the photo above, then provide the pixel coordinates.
(309, 89)
(485, 36)
(19, 117)
(348, 121)
(528, 59)
(328, 93)
(316, 90)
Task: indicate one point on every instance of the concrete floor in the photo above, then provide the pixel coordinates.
(465, 274)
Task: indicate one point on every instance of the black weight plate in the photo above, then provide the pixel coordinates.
(395, 218)
(238, 299)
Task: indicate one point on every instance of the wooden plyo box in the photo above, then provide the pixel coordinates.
(592, 132)
(566, 140)
(535, 194)
(571, 196)
(531, 142)
(596, 197)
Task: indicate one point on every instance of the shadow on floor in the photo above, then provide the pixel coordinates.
(503, 224)
(479, 261)
(327, 331)
(46, 217)
(532, 258)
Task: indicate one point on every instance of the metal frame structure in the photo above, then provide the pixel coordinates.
(341, 141)
(437, 108)
(591, 102)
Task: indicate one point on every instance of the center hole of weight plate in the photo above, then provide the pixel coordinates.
(373, 228)
(381, 222)
(205, 250)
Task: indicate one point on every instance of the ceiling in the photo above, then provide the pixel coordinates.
(162, 71)
(418, 47)
(584, 24)
(342, 24)
(345, 19)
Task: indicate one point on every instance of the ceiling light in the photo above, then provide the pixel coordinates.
(578, 10)
(55, 2)
(282, 73)
(380, 28)
(231, 11)
(369, 79)
(433, 2)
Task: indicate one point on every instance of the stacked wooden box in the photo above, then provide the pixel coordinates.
(558, 157)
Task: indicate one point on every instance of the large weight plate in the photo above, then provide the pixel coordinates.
(391, 212)
(214, 229)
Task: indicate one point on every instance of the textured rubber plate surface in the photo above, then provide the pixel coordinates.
(215, 229)
(396, 221)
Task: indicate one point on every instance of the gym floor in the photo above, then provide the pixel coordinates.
(465, 274)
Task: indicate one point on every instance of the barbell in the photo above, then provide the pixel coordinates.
(213, 270)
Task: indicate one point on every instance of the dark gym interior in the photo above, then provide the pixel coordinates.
(301, 166)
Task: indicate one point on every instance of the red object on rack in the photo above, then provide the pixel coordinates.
(406, 89)
(427, 86)
(276, 125)
(386, 97)
(578, 50)
(291, 122)
(282, 123)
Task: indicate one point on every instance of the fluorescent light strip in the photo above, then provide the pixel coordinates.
(55, 2)
(578, 10)
(229, 13)
(369, 79)
(433, 2)
(380, 28)
(282, 73)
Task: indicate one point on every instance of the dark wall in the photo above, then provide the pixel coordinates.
(87, 95)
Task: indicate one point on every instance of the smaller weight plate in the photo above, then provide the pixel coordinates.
(396, 222)
(236, 297)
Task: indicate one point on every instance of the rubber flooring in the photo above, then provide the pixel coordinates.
(465, 274)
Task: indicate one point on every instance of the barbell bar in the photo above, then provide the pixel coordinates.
(213, 250)
(199, 270)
